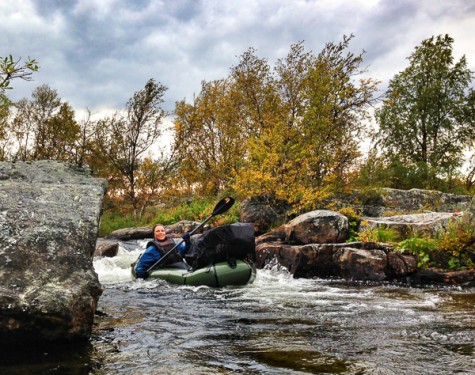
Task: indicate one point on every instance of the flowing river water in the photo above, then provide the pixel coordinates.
(277, 325)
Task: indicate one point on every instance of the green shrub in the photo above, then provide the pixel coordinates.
(451, 248)
(457, 242)
(422, 248)
(350, 213)
(354, 218)
(377, 234)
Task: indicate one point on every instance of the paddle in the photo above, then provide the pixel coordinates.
(222, 206)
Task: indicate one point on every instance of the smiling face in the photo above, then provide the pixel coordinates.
(159, 233)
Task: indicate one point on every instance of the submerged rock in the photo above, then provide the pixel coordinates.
(49, 219)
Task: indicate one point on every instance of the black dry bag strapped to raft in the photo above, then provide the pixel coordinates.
(225, 243)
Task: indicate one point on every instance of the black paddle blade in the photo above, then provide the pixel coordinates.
(223, 205)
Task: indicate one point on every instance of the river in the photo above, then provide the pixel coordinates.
(277, 325)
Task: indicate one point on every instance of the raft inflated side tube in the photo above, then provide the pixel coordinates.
(217, 275)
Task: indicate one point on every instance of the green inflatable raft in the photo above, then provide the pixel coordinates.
(216, 275)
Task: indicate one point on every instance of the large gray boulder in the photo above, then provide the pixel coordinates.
(49, 219)
(320, 226)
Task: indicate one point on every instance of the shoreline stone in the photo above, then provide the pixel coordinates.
(309, 255)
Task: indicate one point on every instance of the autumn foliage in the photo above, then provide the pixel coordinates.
(292, 131)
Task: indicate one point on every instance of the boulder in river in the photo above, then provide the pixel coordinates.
(106, 248)
(320, 226)
(49, 219)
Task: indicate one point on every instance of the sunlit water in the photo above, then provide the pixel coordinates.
(277, 325)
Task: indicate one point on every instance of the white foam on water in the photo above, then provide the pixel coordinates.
(116, 270)
(278, 288)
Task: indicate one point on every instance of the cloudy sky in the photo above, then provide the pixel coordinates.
(97, 53)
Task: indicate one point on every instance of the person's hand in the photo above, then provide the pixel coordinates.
(186, 237)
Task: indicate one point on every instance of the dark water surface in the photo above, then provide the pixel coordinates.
(277, 325)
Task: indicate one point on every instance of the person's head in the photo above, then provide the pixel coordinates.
(159, 232)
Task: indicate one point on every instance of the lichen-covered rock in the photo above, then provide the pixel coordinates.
(381, 201)
(370, 202)
(425, 224)
(49, 218)
(320, 226)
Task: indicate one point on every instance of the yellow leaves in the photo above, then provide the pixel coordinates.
(287, 133)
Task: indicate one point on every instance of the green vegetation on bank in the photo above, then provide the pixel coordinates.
(171, 213)
(451, 247)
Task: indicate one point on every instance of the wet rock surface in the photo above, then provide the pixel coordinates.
(309, 247)
(106, 248)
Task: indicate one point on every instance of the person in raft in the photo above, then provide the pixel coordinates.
(157, 248)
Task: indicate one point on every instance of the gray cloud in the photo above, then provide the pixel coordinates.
(97, 53)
